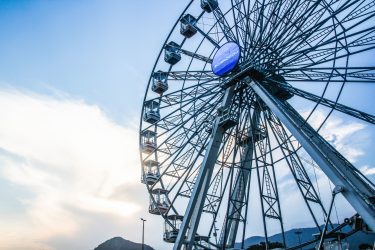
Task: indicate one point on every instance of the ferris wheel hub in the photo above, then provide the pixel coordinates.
(226, 59)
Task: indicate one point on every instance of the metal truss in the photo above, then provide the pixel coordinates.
(358, 190)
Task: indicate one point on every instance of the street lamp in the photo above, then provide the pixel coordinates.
(143, 233)
(298, 233)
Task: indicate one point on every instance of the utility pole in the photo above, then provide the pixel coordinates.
(143, 233)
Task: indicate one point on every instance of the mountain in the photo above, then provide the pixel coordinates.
(306, 234)
(118, 243)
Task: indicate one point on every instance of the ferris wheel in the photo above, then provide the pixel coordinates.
(233, 115)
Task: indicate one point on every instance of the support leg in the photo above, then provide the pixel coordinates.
(193, 212)
(358, 191)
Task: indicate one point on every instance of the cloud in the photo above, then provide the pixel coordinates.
(70, 175)
(366, 170)
(347, 136)
(62, 156)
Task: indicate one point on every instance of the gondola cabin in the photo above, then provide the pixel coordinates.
(172, 53)
(159, 82)
(171, 228)
(158, 202)
(209, 5)
(151, 172)
(148, 141)
(188, 28)
(151, 112)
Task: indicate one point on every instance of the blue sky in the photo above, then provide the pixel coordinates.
(72, 79)
(96, 50)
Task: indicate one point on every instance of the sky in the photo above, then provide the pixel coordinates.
(72, 79)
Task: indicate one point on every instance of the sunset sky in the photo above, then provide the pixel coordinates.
(72, 80)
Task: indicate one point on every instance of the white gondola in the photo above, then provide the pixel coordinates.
(171, 231)
(209, 5)
(151, 112)
(151, 173)
(188, 28)
(159, 82)
(159, 204)
(172, 53)
(148, 141)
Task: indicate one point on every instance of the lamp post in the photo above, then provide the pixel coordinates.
(298, 233)
(143, 233)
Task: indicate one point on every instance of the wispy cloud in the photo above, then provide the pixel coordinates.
(347, 136)
(74, 174)
(366, 170)
(64, 156)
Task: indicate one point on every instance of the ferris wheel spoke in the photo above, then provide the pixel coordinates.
(339, 37)
(199, 90)
(279, 30)
(256, 10)
(317, 30)
(260, 25)
(269, 16)
(287, 11)
(183, 163)
(224, 26)
(199, 117)
(193, 75)
(174, 139)
(295, 41)
(328, 55)
(357, 194)
(166, 119)
(196, 56)
(328, 103)
(293, 21)
(185, 167)
(188, 97)
(248, 30)
(268, 21)
(187, 192)
(239, 15)
(331, 74)
(335, 105)
(175, 119)
(207, 36)
(193, 141)
(323, 55)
